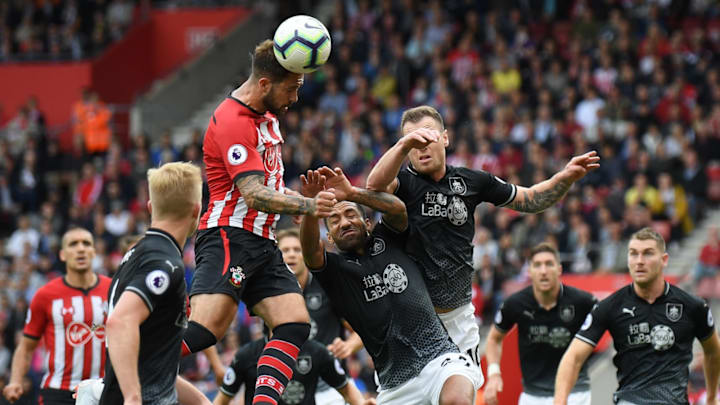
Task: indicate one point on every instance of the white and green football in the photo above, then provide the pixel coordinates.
(301, 44)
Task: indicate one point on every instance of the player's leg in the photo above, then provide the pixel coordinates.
(455, 379)
(457, 390)
(463, 330)
(217, 285)
(210, 317)
(275, 296)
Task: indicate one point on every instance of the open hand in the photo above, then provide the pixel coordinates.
(312, 183)
(579, 166)
(420, 138)
(336, 179)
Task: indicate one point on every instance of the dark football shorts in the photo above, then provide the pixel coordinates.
(247, 267)
(49, 396)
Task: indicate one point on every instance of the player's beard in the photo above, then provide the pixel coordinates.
(352, 243)
(270, 102)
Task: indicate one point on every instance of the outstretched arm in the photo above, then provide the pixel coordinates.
(312, 247)
(393, 209)
(493, 352)
(260, 197)
(545, 194)
(383, 176)
(569, 369)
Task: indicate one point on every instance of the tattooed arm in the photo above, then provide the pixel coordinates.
(393, 209)
(262, 198)
(540, 196)
(544, 194)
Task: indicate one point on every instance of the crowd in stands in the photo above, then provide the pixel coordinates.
(61, 29)
(521, 88)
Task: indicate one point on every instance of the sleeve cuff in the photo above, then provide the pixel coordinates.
(586, 340)
(247, 173)
(510, 199)
(142, 295)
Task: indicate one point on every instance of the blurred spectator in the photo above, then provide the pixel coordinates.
(708, 265)
(641, 191)
(23, 236)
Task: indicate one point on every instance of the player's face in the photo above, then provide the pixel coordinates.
(645, 261)
(292, 254)
(283, 94)
(545, 271)
(78, 251)
(347, 226)
(432, 158)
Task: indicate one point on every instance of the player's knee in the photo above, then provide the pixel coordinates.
(455, 398)
(296, 333)
(457, 391)
(197, 338)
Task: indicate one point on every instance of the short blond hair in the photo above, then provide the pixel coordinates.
(650, 234)
(415, 114)
(175, 188)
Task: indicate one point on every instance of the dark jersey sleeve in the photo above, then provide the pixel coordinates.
(330, 369)
(504, 318)
(703, 319)
(154, 279)
(491, 188)
(596, 323)
(405, 187)
(233, 378)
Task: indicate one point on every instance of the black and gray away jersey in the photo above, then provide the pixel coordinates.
(154, 270)
(442, 221)
(325, 324)
(653, 341)
(314, 362)
(544, 335)
(383, 296)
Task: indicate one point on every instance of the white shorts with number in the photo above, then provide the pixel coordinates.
(329, 396)
(425, 388)
(575, 398)
(624, 402)
(463, 330)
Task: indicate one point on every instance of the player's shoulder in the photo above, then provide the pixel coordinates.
(53, 288)
(521, 297)
(684, 296)
(618, 297)
(578, 295)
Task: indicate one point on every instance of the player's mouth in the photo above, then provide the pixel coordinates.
(348, 232)
(425, 158)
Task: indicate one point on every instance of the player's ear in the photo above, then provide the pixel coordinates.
(149, 207)
(330, 239)
(265, 85)
(62, 254)
(444, 138)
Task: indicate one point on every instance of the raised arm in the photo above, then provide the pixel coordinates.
(493, 353)
(546, 193)
(260, 197)
(312, 247)
(383, 176)
(569, 369)
(393, 209)
(711, 363)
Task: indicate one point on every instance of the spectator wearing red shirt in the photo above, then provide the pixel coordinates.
(709, 263)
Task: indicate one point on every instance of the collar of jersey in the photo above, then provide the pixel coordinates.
(664, 294)
(160, 232)
(245, 105)
(417, 173)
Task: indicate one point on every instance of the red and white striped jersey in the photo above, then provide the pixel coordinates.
(72, 323)
(240, 141)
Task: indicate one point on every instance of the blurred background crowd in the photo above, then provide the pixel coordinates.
(523, 86)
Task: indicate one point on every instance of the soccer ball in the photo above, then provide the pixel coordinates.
(301, 44)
